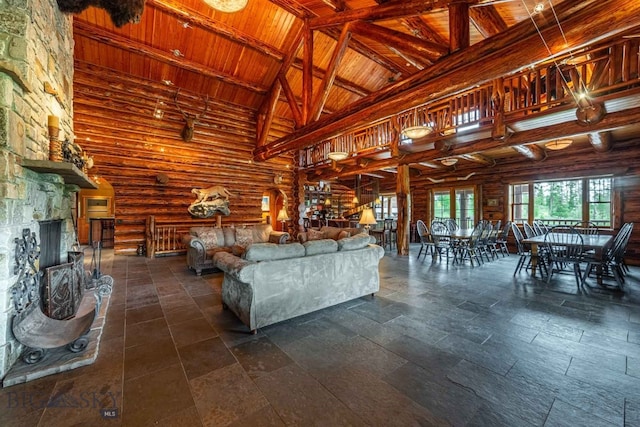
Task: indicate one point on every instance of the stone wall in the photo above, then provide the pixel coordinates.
(36, 48)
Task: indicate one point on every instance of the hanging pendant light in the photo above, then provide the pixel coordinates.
(558, 144)
(228, 6)
(418, 129)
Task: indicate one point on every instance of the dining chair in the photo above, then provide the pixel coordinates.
(564, 247)
(503, 236)
(524, 251)
(529, 231)
(426, 242)
(612, 261)
(586, 227)
(441, 239)
(469, 249)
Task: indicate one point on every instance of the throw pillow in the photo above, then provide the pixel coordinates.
(239, 250)
(210, 240)
(352, 243)
(344, 234)
(244, 236)
(315, 235)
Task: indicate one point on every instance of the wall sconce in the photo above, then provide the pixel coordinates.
(449, 162)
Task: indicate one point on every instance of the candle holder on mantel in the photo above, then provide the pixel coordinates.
(55, 145)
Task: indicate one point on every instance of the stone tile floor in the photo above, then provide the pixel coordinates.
(438, 345)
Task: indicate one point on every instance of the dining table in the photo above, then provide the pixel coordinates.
(598, 243)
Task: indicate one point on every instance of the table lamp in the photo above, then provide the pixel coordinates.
(283, 217)
(367, 219)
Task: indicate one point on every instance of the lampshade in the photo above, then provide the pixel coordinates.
(327, 202)
(449, 162)
(282, 215)
(228, 6)
(558, 144)
(367, 217)
(338, 155)
(355, 200)
(417, 132)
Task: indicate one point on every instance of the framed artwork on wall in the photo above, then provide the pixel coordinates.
(265, 203)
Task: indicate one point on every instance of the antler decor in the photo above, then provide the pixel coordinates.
(190, 119)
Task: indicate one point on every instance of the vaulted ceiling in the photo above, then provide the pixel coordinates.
(331, 66)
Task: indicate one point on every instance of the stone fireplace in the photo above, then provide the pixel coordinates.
(36, 77)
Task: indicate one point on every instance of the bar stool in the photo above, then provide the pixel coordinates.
(390, 232)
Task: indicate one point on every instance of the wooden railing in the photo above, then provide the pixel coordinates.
(165, 238)
(613, 67)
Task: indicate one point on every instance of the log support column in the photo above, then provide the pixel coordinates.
(403, 195)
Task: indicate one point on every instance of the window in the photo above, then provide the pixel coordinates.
(457, 203)
(563, 201)
(387, 207)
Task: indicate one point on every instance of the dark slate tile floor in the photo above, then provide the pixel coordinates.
(438, 345)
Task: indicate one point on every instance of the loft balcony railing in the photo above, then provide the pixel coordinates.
(612, 68)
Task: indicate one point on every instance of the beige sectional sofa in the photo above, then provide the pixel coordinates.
(204, 242)
(272, 283)
(327, 232)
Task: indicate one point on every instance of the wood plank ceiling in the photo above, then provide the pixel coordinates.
(358, 49)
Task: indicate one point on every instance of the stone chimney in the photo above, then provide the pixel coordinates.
(36, 79)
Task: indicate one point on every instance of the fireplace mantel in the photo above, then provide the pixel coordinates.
(68, 171)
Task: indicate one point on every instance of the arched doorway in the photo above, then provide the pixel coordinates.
(96, 208)
(275, 199)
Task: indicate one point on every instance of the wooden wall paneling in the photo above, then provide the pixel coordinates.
(114, 123)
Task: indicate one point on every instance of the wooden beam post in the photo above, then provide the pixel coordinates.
(307, 73)
(403, 195)
(459, 36)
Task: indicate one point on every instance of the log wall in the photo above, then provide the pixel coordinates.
(623, 161)
(152, 170)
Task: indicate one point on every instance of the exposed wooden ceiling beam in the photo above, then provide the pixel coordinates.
(294, 8)
(339, 82)
(412, 45)
(601, 141)
(531, 152)
(487, 20)
(83, 29)
(371, 54)
(422, 30)
(519, 46)
(392, 10)
(190, 16)
(332, 70)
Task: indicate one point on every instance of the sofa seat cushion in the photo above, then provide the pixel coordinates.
(214, 250)
(352, 243)
(323, 246)
(272, 251)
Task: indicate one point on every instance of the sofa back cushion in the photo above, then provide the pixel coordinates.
(323, 246)
(244, 237)
(229, 236)
(358, 241)
(261, 232)
(331, 232)
(272, 251)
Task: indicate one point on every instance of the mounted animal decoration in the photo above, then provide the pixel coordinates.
(209, 201)
(190, 119)
(121, 11)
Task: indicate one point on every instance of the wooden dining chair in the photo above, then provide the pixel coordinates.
(564, 246)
